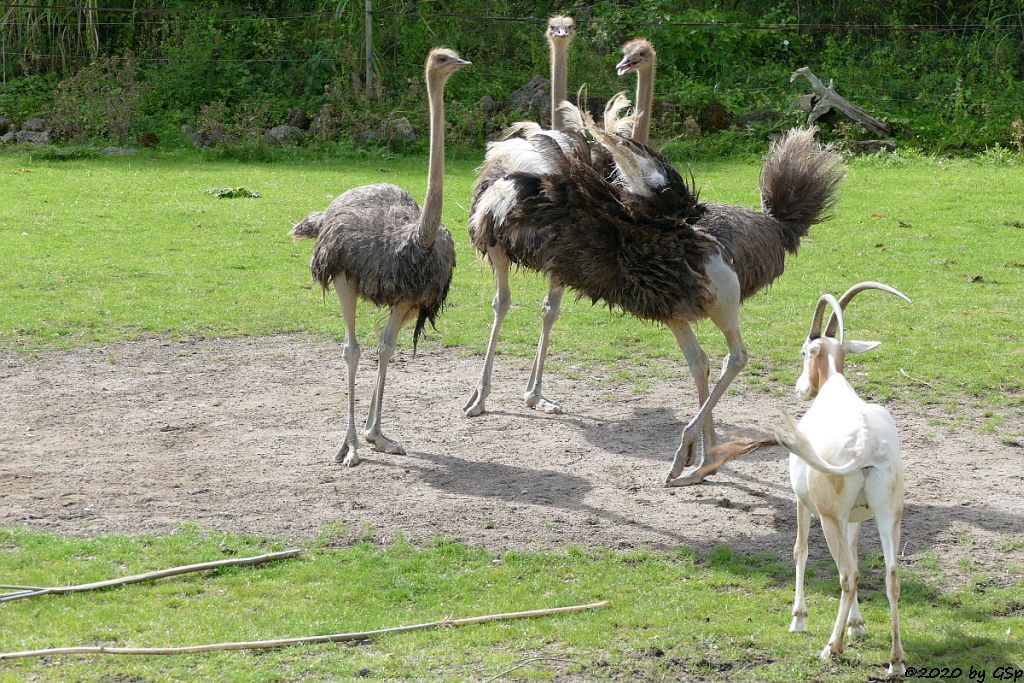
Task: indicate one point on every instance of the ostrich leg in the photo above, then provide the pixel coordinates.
(379, 442)
(725, 313)
(549, 314)
(502, 300)
(346, 295)
(700, 368)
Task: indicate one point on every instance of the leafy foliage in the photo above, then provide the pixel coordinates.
(948, 75)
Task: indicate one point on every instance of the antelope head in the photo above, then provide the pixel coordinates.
(825, 354)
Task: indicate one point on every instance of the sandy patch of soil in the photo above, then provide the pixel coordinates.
(239, 435)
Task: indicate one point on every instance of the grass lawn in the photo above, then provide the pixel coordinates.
(718, 614)
(98, 250)
(102, 249)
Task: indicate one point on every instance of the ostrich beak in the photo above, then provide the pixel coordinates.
(625, 66)
(464, 62)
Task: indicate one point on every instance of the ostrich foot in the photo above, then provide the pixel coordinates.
(855, 629)
(685, 456)
(379, 442)
(346, 455)
(475, 405)
(538, 402)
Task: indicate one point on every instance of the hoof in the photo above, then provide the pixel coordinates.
(799, 625)
(686, 479)
(828, 653)
(896, 670)
(855, 630)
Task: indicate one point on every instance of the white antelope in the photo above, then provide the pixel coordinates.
(845, 467)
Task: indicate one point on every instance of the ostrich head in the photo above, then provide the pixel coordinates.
(442, 63)
(561, 30)
(636, 54)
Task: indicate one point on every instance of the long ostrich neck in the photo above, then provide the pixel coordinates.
(558, 81)
(430, 218)
(644, 102)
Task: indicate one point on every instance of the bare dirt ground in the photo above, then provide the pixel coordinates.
(239, 435)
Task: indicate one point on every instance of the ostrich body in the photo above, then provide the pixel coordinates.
(503, 244)
(641, 241)
(376, 243)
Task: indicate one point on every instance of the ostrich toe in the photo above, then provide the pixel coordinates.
(346, 455)
(475, 405)
(381, 443)
(538, 402)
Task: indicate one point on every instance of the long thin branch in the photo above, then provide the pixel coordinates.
(149, 576)
(266, 644)
(527, 662)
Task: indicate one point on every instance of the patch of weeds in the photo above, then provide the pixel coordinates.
(1007, 544)
(233, 193)
(331, 535)
(71, 153)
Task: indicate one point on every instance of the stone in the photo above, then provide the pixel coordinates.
(8, 137)
(488, 105)
(366, 137)
(284, 136)
(534, 97)
(5, 125)
(34, 125)
(208, 136)
(403, 131)
(761, 116)
(691, 129)
(296, 117)
(32, 137)
(715, 117)
(325, 125)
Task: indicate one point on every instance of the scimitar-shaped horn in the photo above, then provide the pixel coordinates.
(854, 291)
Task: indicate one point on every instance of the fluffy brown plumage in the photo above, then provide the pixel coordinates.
(369, 235)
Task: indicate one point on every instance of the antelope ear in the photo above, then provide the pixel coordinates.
(854, 346)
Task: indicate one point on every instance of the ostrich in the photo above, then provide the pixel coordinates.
(641, 241)
(639, 56)
(508, 156)
(376, 243)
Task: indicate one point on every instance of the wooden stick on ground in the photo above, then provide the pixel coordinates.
(149, 576)
(266, 644)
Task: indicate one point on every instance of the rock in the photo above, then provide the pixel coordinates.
(533, 97)
(715, 117)
(403, 131)
(663, 109)
(8, 137)
(208, 136)
(34, 125)
(32, 137)
(296, 117)
(488, 105)
(119, 151)
(760, 116)
(325, 125)
(594, 104)
(366, 137)
(871, 146)
(691, 129)
(284, 136)
(6, 125)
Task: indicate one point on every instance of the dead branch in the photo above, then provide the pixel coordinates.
(266, 644)
(526, 662)
(149, 576)
(829, 98)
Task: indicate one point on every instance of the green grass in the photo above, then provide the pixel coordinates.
(106, 249)
(718, 614)
(98, 250)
